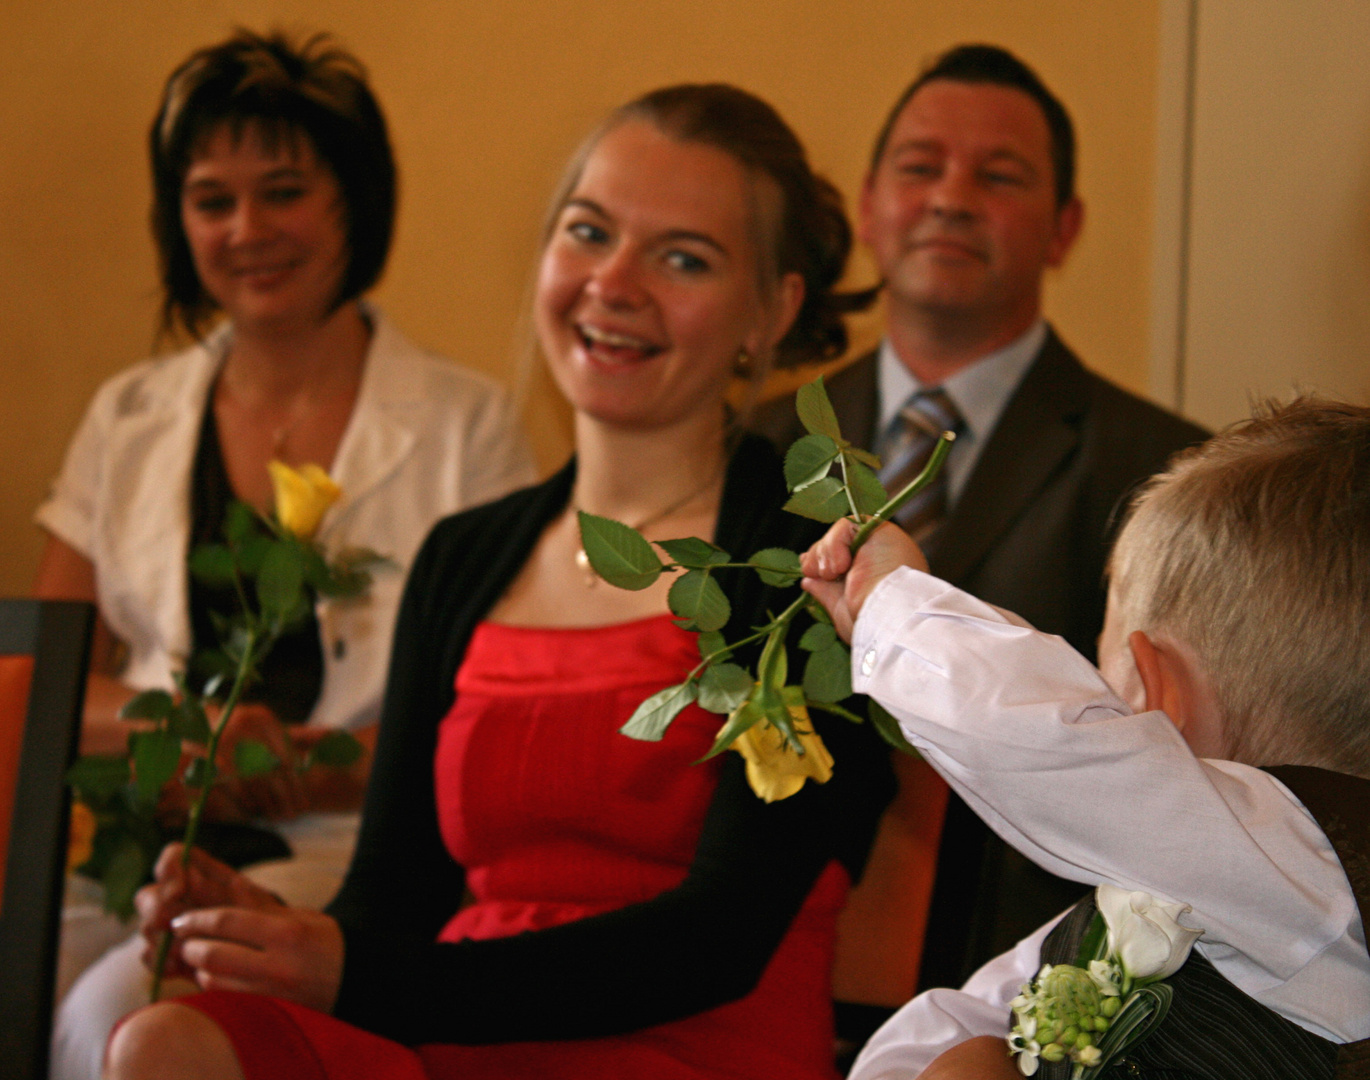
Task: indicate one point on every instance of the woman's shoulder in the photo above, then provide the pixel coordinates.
(404, 368)
(168, 382)
(503, 522)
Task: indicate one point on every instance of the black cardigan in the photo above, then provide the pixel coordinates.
(701, 944)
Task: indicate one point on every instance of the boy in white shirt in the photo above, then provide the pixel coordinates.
(1238, 630)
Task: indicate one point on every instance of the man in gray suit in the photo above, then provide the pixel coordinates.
(969, 200)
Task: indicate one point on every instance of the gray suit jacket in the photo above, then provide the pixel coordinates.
(1030, 532)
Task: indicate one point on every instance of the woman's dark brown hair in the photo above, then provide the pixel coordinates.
(283, 92)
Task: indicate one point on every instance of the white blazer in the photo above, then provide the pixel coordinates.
(426, 438)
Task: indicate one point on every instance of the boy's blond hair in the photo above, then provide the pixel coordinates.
(1253, 550)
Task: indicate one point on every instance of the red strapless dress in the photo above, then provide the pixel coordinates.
(556, 816)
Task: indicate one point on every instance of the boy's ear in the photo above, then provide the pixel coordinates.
(1159, 683)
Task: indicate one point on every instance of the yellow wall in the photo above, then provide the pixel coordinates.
(485, 99)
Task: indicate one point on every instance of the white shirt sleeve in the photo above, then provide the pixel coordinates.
(1027, 732)
(937, 1020)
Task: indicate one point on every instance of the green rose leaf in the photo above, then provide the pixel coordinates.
(352, 571)
(867, 491)
(777, 566)
(825, 501)
(98, 776)
(619, 554)
(871, 461)
(808, 461)
(815, 410)
(337, 750)
(253, 758)
(749, 713)
(148, 705)
(888, 728)
(818, 636)
(827, 675)
(213, 564)
(782, 720)
(723, 687)
(710, 642)
(651, 719)
(817, 612)
(188, 721)
(252, 553)
(316, 573)
(693, 553)
(240, 522)
(156, 757)
(124, 874)
(774, 666)
(280, 584)
(696, 597)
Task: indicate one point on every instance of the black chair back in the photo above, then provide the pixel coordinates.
(56, 635)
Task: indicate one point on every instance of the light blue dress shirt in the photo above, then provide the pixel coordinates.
(980, 391)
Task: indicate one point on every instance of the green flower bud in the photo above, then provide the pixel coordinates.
(1101, 1023)
(1046, 1035)
(1110, 1006)
(1053, 1052)
(1070, 1034)
(1083, 1039)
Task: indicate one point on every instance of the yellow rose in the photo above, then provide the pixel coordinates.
(303, 496)
(81, 836)
(774, 771)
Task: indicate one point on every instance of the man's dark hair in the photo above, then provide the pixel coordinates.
(997, 67)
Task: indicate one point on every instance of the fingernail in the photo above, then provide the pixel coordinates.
(178, 922)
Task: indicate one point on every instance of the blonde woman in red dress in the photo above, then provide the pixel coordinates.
(627, 913)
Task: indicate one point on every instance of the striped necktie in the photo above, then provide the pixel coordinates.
(908, 446)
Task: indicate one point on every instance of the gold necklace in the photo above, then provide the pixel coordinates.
(583, 560)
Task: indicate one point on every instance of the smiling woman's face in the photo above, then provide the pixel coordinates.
(265, 228)
(648, 286)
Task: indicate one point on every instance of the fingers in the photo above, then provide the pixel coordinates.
(830, 558)
(287, 953)
(841, 582)
(280, 794)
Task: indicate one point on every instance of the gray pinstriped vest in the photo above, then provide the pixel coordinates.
(1213, 1031)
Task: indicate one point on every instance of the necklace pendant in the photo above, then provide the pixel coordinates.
(583, 561)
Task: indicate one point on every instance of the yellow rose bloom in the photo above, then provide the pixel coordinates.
(81, 836)
(774, 771)
(303, 496)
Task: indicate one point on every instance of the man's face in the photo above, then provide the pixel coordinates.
(960, 212)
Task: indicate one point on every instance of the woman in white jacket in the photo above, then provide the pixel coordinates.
(274, 205)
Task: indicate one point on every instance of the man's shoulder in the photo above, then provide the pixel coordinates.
(1116, 418)
(853, 392)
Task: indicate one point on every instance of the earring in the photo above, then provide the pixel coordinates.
(743, 366)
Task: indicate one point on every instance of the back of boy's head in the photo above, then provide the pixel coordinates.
(1253, 550)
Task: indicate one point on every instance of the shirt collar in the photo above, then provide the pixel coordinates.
(980, 390)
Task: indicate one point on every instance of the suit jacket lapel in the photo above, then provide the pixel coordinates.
(856, 400)
(381, 433)
(1038, 431)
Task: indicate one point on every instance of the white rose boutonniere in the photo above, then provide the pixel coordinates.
(1144, 933)
(1113, 996)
